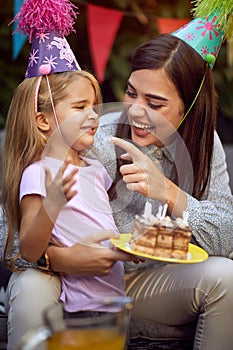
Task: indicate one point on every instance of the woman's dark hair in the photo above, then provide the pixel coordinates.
(186, 69)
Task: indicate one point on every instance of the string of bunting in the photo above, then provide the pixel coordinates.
(103, 22)
(102, 26)
(136, 14)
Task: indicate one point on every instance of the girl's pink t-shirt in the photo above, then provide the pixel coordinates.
(85, 214)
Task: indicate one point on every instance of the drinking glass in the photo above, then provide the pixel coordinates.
(82, 331)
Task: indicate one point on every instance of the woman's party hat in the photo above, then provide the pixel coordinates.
(47, 22)
(206, 32)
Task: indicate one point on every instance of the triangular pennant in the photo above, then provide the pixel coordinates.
(18, 39)
(103, 24)
(170, 25)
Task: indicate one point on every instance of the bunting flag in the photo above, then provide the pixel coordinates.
(102, 26)
(170, 25)
(18, 39)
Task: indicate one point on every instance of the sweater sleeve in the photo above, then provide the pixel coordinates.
(211, 219)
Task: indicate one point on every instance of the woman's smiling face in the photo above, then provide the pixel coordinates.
(153, 105)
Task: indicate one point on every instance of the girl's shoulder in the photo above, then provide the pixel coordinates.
(33, 180)
(32, 168)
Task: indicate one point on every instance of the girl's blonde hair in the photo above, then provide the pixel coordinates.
(24, 143)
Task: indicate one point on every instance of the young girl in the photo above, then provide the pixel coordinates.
(52, 192)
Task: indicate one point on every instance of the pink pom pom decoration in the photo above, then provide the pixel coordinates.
(45, 69)
(39, 16)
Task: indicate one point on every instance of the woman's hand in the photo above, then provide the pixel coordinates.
(144, 177)
(88, 257)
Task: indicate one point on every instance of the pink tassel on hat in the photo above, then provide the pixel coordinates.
(37, 16)
(47, 23)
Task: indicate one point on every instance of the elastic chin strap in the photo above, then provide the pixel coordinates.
(194, 100)
(51, 99)
(36, 94)
(54, 112)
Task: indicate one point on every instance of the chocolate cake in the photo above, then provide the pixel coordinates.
(161, 236)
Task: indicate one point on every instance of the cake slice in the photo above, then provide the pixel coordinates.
(161, 236)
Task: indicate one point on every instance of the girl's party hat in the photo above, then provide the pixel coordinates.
(47, 22)
(213, 23)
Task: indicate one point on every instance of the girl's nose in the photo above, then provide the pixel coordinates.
(92, 114)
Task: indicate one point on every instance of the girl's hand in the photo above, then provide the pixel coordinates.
(59, 190)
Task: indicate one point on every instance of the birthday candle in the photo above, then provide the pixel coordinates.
(147, 210)
(164, 210)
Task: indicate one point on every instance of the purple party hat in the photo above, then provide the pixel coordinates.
(47, 22)
(207, 32)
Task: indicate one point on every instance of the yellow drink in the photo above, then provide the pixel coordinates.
(87, 339)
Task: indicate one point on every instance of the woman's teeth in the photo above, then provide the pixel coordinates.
(142, 126)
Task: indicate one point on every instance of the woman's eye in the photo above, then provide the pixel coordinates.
(130, 93)
(80, 107)
(153, 105)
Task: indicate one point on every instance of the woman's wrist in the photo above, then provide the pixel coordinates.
(176, 199)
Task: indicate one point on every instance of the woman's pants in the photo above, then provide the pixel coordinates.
(171, 294)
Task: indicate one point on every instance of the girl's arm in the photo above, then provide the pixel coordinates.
(39, 215)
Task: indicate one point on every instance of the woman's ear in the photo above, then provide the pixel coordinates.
(42, 121)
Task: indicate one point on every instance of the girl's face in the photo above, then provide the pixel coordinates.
(76, 117)
(153, 106)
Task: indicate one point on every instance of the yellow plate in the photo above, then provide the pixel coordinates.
(195, 253)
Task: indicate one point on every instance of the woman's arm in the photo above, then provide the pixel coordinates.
(87, 257)
(211, 219)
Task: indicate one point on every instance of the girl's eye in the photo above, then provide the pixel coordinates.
(130, 93)
(80, 107)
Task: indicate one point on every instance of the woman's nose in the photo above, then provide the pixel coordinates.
(136, 110)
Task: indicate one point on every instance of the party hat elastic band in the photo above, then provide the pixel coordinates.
(53, 107)
(206, 33)
(192, 104)
(36, 94)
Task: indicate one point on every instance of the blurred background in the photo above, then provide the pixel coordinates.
(107, 32)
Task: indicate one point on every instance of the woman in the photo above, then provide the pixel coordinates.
(186, 168)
